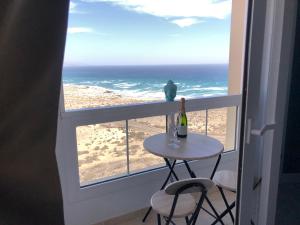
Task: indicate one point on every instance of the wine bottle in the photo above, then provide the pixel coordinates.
(182, 122)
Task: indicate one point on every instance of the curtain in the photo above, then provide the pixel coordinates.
(292, 137)
(32, 40)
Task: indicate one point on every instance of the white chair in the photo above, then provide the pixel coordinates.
(177, 201)
(226, 180)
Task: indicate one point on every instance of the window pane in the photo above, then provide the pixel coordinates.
(221, 125)
(139, 129)
(196, 121)
(101, 151)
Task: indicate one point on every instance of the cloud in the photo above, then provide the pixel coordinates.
(186, 22)
(76, 30)
(176, 10)
(72, 7)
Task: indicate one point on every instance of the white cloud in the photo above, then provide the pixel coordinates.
(72, 7)
(76, 30)
(186, 22)
(179, 9)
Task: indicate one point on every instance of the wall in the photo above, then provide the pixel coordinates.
(236, 62)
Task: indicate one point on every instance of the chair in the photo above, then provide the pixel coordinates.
(177, 201)
(226, 180)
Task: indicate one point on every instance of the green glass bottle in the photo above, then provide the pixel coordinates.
(182, 121)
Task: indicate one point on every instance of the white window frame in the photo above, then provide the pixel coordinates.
(102, 201)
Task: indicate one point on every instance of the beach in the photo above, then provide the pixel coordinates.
(102, 147)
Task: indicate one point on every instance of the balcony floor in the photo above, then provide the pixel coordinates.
(203, 219)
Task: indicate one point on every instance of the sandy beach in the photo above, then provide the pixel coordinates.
(102, 147)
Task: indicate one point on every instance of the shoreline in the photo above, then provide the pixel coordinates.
(79, 96)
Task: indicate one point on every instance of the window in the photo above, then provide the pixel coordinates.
(124, 52)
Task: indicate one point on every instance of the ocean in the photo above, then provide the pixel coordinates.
(148, 81)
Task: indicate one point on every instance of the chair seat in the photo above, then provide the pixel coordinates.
(226, 179)
(161, 202)
(173, 187)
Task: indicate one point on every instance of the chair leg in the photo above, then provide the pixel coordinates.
(168, 221)
(187, 220)
(224, 213)
(147, 214)
(198, 208)
(158, 220)
(213, 209)
(226, 203)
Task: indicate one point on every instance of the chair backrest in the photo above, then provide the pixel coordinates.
(190, 185)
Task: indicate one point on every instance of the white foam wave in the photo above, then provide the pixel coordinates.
(87, 82)
(203, 89)
(161, 85)
(126, 85)
(106, 82)
(214, 88)
(140, 94)
(148, 92)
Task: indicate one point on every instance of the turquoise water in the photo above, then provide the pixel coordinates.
(148, 81)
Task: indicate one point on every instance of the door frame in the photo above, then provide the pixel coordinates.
(269, 53)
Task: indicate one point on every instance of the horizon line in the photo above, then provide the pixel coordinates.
(107, 65)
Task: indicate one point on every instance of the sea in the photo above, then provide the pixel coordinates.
(148, 81)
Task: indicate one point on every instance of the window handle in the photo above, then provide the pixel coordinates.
(261, 131)
(257, 132)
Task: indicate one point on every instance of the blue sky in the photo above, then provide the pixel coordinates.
(148, 32)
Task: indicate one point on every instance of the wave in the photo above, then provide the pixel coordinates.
(160, 85)
(214, 88)
(106, 81)
(141, 94)
(142, 90)
(126, 85)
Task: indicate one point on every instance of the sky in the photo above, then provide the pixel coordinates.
(148, 32)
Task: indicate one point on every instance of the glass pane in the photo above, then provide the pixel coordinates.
(139, 129)
(101, 151)
(222, 126)
(196, 121)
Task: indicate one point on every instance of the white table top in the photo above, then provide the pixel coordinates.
(195, 146)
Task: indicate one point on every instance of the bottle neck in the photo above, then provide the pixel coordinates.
(182, 107)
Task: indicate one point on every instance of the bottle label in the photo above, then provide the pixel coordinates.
(182, 130)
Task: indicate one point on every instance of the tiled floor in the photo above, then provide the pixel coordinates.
(203, 219)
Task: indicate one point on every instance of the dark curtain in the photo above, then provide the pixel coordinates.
(291, 163)
(32, 39)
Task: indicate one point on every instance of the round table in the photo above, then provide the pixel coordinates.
(194, 146)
